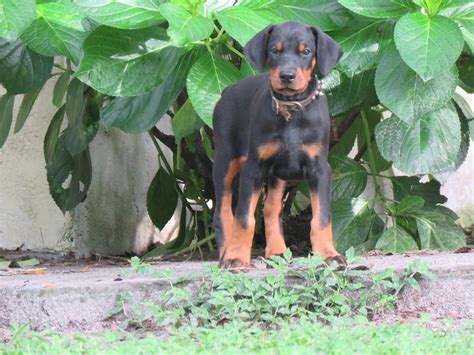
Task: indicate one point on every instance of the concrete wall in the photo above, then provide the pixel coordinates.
(113, 220)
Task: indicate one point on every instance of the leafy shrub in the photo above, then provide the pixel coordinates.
(130, 63)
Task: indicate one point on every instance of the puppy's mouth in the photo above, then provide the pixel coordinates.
(287, 90)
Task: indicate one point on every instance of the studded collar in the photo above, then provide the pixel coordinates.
(285, 107)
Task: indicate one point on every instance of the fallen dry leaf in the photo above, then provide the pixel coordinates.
(40, 271)
(463, 250)
(49, 286)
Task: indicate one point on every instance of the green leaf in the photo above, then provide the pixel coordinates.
(139, 114)
(349, 177)
(327, 14)
(241, 23)
(162, 198)
(68, 177)
(351, 225)
(60, 88)
(22, 70)
(183, 26)
(466, 74)
(437, 230)
(15, 17)
(349, 92)
(363, 44)
(465, 113)
(396, 240)
(379, 8)
(405, 186)
(405, 93)
(463, 149)
(185, 236)
(59, 30)
(376, 228)
(463, 13)
(186, 121)
(428, 145)
(125, 62)
(410, 204)
(207, 78)
(83, 117)
(52, 134)
(6, 116)
(123, 14)
(25, 109)
(429, 45)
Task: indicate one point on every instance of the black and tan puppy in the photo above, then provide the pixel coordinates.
(274, 127)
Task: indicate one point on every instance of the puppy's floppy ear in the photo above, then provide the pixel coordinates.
(256, 49)
(328, 51)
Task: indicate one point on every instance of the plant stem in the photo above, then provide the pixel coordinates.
(209, 238)
(378, 189)
(233, 50)
(161, 155)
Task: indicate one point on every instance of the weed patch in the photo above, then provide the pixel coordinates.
(296, 289)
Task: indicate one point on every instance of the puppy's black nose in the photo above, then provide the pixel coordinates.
(287, 77)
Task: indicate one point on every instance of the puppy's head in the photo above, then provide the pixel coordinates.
(292, 51)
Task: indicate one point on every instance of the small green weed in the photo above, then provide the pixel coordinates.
(298, 288)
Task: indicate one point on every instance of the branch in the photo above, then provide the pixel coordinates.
(342, 128)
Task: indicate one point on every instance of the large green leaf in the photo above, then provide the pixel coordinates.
(407, 186)
(68, 177)
(25, 109)
(327, 14)
(428, 145)
(125, 14)
(349, 177)
(396, 240)
(186, 121)
(162, 198)
(15, 17)
(59, 30)
(126, 62)
(463, 149)
(351, 220)
(21, 69)
(349, 92)
(429, 45)
(241, 23)
(379, 8)
(83, 118)
(183, 26)
(6, 116)
(463, 13)
(207, 78)
(139, 114)
(363, 44)
(437, 230)
(405, 93)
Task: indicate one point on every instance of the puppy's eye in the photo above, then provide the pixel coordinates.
(306, 51)
(274, 50)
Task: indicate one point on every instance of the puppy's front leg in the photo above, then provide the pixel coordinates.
(319, 178)
(237, 250)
